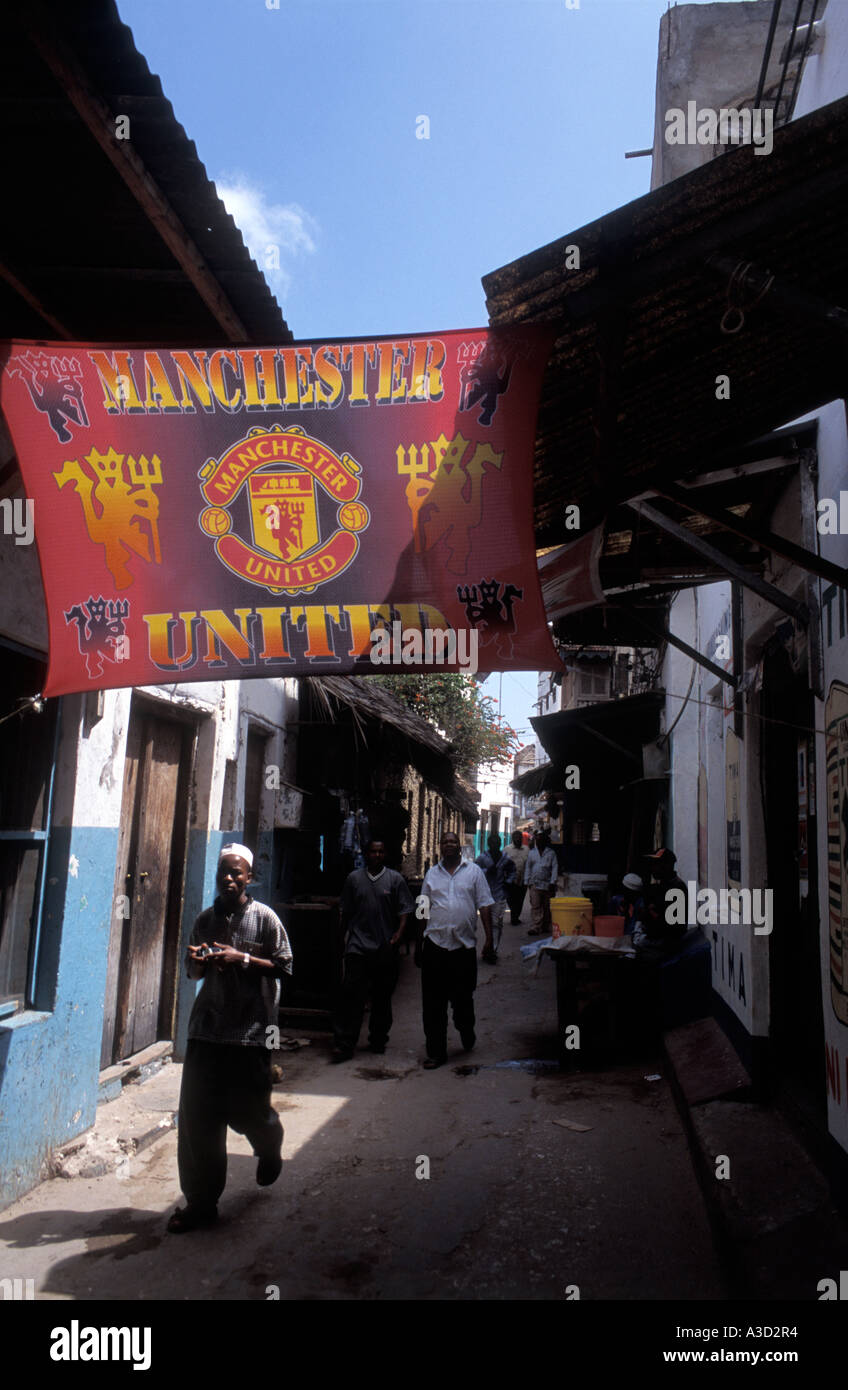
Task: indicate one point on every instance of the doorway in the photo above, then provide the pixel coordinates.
(144, 940)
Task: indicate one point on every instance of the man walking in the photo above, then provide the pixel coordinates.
(500, 875)
(240, 950)
(455, 890)
(541, 877)
(516, 890)
(375, 905)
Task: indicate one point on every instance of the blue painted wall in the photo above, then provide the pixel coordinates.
(50, 1057)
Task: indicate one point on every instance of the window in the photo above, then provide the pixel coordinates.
(27, 755)
(254, 768)
(593, 686)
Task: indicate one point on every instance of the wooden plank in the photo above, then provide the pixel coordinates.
(758, 535)
(34, 303)
(769, 592)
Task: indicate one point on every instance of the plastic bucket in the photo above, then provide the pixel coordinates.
(609, 926)
(571, 916)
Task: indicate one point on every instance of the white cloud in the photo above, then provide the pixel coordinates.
(275, 233)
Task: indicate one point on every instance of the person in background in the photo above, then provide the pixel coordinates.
(240, 950)
(455, 890)
(516, 890)
(500, 875)
(375, 906)
(540, 875)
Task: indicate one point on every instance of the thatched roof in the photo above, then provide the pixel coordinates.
(464, 797)
(372, 701)
(369, 701)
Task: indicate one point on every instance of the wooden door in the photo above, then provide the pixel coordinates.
(143, 965)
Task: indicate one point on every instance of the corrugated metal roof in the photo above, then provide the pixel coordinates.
(76, 240)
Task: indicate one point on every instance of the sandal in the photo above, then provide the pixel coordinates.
(190, 1218)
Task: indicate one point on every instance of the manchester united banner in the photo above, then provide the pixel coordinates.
(211, 514)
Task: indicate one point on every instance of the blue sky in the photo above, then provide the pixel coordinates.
(306, 117)
(311, 109)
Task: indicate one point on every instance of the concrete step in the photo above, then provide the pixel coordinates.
(140, 1067)
(705, 1063)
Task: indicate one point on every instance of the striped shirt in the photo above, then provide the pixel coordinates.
(234, 1004)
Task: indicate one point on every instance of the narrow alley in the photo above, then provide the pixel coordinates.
(542, 1185)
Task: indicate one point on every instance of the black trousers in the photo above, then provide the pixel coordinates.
(373, 973)
(223, 1084)
(447, 977)
(515, 898)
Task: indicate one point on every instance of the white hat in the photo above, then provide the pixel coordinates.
(244, 853)
(631, 881)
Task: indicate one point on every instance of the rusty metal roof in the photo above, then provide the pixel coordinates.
(629, 394)
(111, 238)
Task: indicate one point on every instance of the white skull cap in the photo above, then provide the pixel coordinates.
(241, 850)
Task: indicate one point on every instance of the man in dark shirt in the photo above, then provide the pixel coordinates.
(500, 876)
(375, 905)
(240, 950)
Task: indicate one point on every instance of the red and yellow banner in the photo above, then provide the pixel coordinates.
(250, 512)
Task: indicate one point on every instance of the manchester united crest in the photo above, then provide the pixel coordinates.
(282, 486)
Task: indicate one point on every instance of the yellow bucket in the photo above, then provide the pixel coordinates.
(571, 916)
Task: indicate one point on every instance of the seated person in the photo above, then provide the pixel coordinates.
(629, 904)
(660, 937)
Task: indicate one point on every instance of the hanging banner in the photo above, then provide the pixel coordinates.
(570, 577)
(249, 512)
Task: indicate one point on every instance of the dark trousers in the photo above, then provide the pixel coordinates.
(515, 898)
(223, 1084)
(373, 973)
(447, 977)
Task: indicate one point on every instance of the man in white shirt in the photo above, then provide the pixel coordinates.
(540, 875)
(455, 891)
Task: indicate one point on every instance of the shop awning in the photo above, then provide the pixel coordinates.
(600, 733)
(542, 778)
(630, 396)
